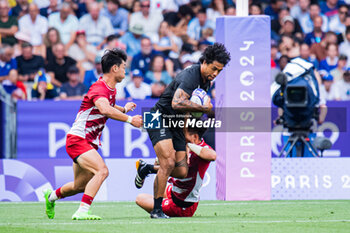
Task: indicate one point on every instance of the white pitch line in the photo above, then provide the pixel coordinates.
(176, 222)
(104, 204)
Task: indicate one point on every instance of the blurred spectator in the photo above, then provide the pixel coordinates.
(216, 9)
(289, 47)
(284, 21)
(166, 42)
(28, 63)
(197, 24)
(83, 52)
(142, 60)
(163, 6)
(52, 8)
(51, 38)
(135, 7)
(288, 27)
(325, 88)
(338, 72)
(157, 89)
(137, 89)
(319, 49)
(117, 15)
(337, 23)
(342, 36)
(317, 34)
(255, 9)
(330, 7)
(21, 36)
(300, 10)
(157, 71)
(65, 23)
(20, 9)
(331, 61)
(112, 41)
(7, 62)
(273, 9)
(57, 68)
(91, 76)
(344, 47)
(8, 24)
(306, 54)
(14, 87)
(97, 27)
(340, 89)
(283, 61)
(186, 60)
(149, 20)
(36, 25)
(73, 89)
(307, 20)
(230, 10)
(132, 39)
(42, 88)
(178, 21)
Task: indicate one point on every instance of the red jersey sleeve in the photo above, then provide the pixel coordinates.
(96, 92)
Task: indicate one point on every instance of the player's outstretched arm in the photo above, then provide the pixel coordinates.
(181, 102)
(103, 106)
(129, 106)
(203, 152)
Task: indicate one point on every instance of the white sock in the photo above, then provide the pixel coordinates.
(83, 208)
(53, 197)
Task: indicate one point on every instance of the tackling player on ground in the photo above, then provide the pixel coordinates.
(182, 195)
(84, 137)
(169, 143)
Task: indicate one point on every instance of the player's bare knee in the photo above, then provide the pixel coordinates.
(103, 172)
(138, 200)
(169, 165)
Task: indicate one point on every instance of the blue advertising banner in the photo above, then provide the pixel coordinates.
(25, 180)
(42, 128)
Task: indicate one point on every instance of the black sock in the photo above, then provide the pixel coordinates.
(151, 169)
(158, 203)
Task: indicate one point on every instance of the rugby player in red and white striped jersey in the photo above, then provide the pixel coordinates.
(84, 137)
(181, 196)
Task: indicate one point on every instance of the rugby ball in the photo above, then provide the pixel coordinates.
(199, 96)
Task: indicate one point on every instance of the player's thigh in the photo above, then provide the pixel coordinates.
(91, 161)
(145, 201)
(81, 176)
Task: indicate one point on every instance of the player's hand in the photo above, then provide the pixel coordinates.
(129, 106)
(208, 105)
(137, 121)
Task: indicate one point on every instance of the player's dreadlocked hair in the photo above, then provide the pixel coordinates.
(112, 57)
(216, 52)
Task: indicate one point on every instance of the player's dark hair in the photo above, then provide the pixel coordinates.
(112, 57)
(216, 52)
(196, 130)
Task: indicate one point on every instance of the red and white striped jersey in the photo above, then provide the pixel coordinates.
(187, 189)
(89, 122)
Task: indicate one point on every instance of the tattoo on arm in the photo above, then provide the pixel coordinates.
(182, 163)
(181, 101)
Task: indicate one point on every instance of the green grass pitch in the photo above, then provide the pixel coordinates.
(211, 216)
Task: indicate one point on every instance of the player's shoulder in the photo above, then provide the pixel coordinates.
(205, 145)
(192, 71)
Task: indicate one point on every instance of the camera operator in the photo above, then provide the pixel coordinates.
(296, 93)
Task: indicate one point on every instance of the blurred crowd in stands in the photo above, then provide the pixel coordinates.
(52, 49)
